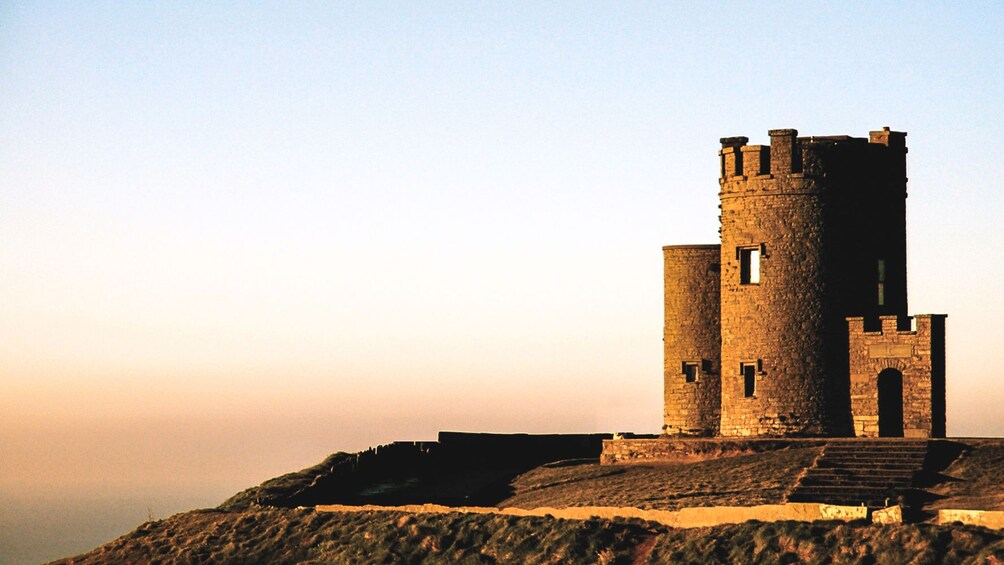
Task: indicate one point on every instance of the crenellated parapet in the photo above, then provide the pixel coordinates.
(754, 168)
(889, 138)
(743, 162)
(731, 156)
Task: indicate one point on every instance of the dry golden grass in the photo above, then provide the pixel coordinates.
(304, 536)
(975, 479)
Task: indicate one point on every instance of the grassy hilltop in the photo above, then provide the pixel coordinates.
(262, 524)
(306, 536)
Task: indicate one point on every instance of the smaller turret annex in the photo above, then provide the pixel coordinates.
(757, 342)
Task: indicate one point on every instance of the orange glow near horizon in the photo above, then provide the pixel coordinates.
(232, 242)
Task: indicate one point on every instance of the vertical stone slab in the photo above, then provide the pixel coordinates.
(784, 158)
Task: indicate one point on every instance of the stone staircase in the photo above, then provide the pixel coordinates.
(870, 472)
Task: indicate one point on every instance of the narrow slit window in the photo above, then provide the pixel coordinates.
(748, 371)
(691, 371)
(749, 266)
(881, 282)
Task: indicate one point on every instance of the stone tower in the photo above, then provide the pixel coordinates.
(813, 231)
(692, 337)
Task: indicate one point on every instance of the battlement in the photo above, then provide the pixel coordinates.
(922, 324)
(787, 152)
(888, 138)
(694, 246)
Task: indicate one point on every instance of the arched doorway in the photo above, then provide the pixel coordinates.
(890, 403)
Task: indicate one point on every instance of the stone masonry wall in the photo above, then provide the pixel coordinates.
(821, 212)
(919, 355)
(775, 324)
(692, 335)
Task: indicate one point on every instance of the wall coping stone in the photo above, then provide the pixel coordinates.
(691, 517)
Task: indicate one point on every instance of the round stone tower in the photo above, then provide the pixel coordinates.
(813, 231)
(692, 340)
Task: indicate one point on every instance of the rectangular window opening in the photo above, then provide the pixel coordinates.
(691, 371)
(749, 371)
(881, 282)
(749, 265)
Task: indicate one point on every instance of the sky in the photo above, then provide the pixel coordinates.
(235, 238)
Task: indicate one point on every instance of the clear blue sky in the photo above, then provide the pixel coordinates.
(235, 238)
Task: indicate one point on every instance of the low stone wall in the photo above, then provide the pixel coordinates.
(988, 519)
(515, 450)
(672, 449)
(364, 477)
(696, 517)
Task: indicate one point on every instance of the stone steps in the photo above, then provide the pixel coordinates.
(869, 472)
(885, 483)
(851, 479)
(878, 456)
(885, 466)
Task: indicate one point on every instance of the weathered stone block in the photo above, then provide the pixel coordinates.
(891, 515)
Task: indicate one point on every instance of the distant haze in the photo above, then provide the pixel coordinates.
(234, 239)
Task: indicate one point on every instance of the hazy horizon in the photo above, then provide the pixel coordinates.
(235, 239)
